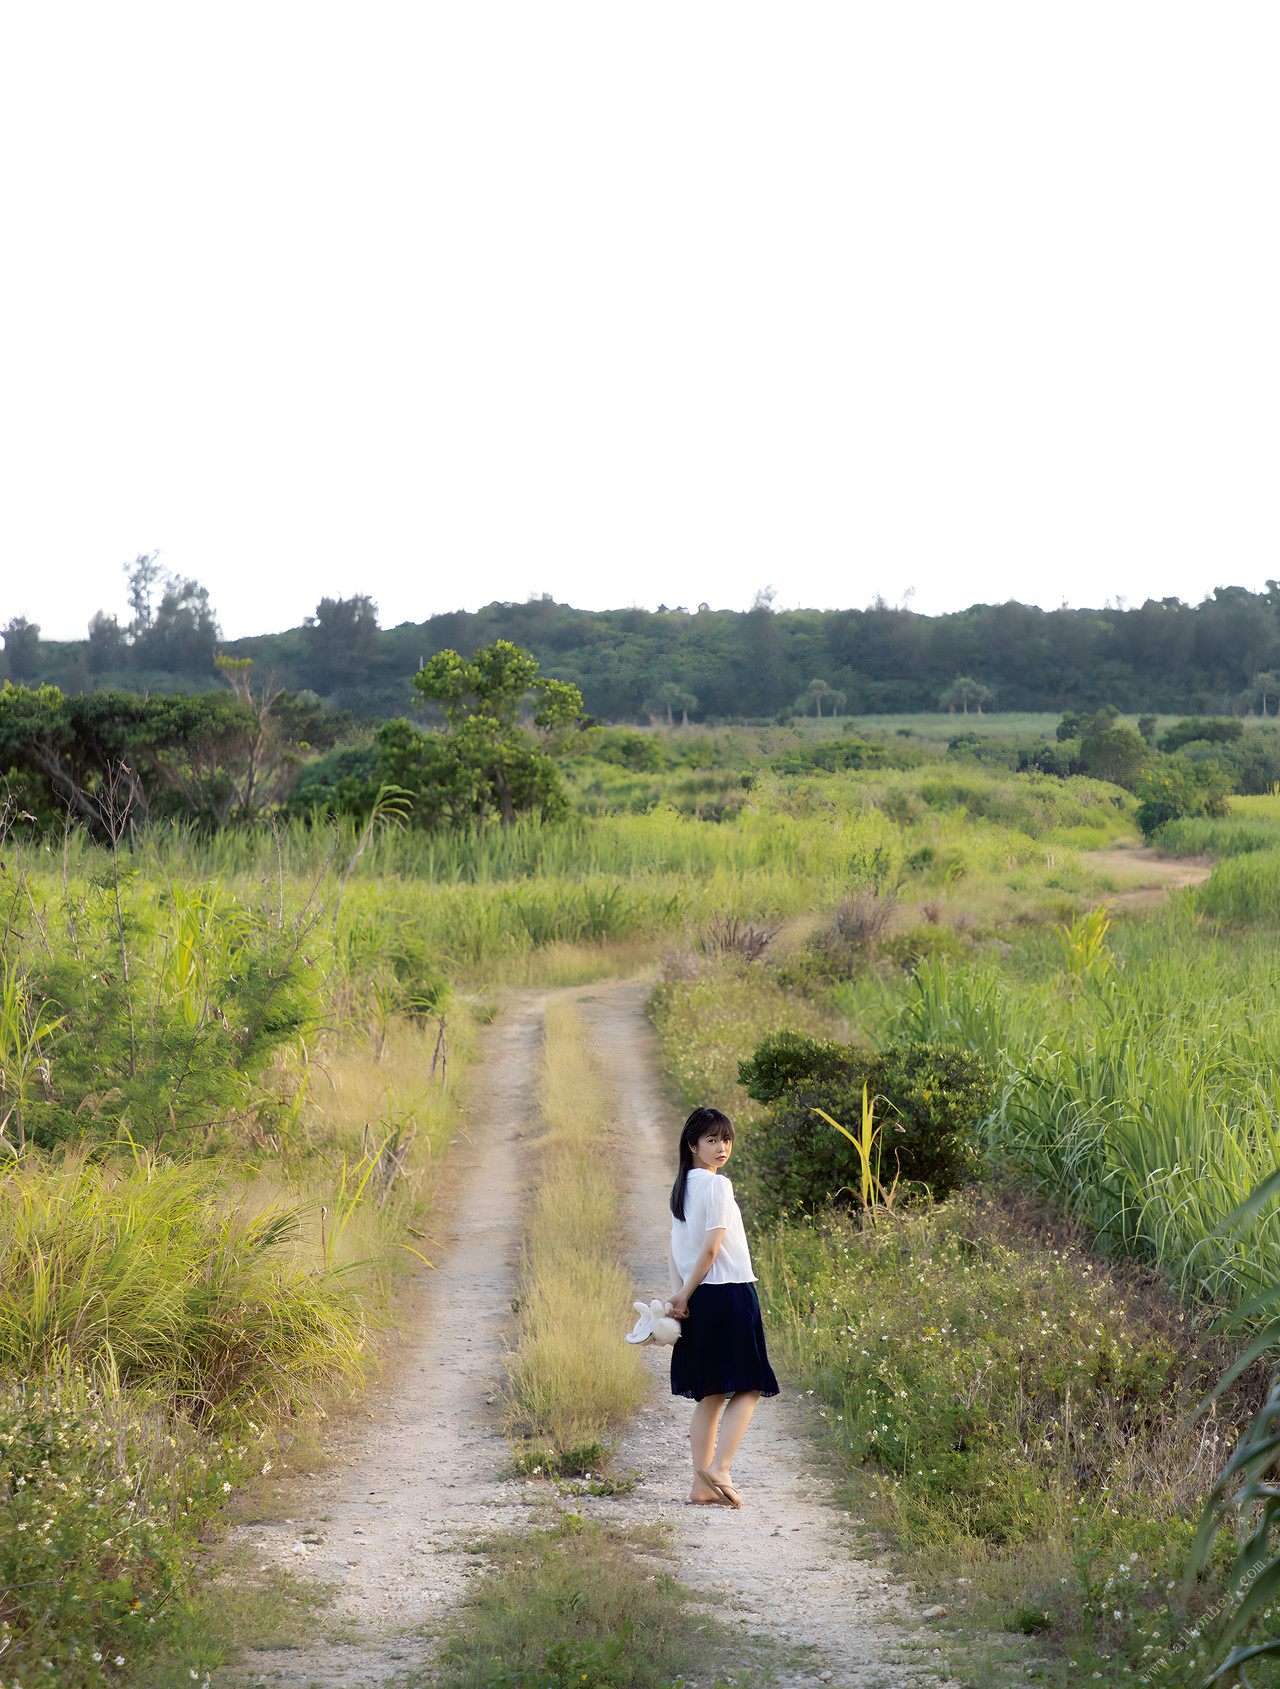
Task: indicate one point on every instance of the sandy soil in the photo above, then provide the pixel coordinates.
(387, 1527)
(1144, 875)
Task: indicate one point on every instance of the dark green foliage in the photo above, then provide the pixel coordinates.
(1116, 754)
(929, 1098)
(184, 635)
(1076, 723)
(114, 761)
(790, 1059)
(22, 648)
(1251, 764)
(341, 643)
(641, 752)
(1044, 758)
(484, 763)
(1162, 655)
(837, 755)
(344, 782)
(1216, 732)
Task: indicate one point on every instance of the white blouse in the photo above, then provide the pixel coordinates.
(709, 1204)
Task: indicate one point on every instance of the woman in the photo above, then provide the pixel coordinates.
(721, 1356)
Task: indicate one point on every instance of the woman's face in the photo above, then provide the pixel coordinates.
(711, 1153)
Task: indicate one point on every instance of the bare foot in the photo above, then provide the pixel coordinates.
(719, 1483)
(701, 1494)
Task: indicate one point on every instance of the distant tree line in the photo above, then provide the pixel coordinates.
(1221, 656)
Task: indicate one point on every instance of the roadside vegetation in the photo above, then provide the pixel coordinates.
(1014, 1373)
(230, 1059)
(586, 1603)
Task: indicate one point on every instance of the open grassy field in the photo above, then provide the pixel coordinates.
(230, 1079)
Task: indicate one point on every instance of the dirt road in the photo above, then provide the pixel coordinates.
(1143, 876)
(388, 1522)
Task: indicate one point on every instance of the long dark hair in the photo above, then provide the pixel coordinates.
(702, 1123)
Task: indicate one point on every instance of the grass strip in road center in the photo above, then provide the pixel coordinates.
(572, 1378)
(591, 1605)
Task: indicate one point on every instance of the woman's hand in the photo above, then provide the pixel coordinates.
(701, 1267)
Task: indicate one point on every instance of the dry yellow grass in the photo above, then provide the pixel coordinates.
(572, 1378)
(361, 1200)
(580, 964)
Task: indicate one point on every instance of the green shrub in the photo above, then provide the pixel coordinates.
(1115, 754)
(1172, 789)
(623, 746)
(925, 944)
(1217, 730)
(930, 1097)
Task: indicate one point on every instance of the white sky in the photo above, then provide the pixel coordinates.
(448, 302)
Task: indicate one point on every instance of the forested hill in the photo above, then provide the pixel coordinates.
(1164, 656)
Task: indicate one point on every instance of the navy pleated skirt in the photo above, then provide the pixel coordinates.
(721, 1348)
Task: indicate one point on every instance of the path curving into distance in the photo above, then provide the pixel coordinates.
(1145, 876)
(418, 1476)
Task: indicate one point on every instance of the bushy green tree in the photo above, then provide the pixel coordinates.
(184, 634)
(113, 759)
(483, 762)
(1172, 788)
(1217, 730)
(1252, 764)
(1117, 754)
(964, 690)
(1076, 723)
(22, 648)
(341, 642)
(930, 1098)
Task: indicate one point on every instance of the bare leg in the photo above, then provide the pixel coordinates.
(702, 1442)
(733, 1428)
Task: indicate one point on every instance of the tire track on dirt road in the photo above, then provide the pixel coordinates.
(785, 1565)
(427, 1478)
(421, 1484)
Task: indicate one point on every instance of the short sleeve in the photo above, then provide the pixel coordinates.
(718, 1203)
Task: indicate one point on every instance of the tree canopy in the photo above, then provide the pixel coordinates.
(481, 762)
(110, 760)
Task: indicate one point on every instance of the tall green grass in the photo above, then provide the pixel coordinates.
(1146, 1099)
(1230, 835)
(163, 1276)
(1245, 888)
